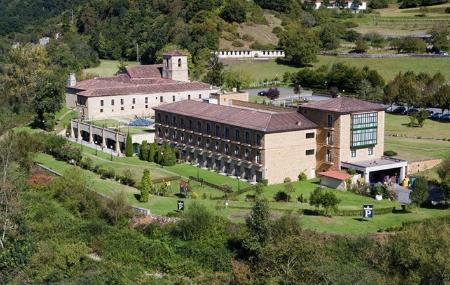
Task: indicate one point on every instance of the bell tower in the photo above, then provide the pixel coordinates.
(175, 66)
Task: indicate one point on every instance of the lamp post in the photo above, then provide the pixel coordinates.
(96, 148)
(198, 174)
(111, 153)
(239, 184)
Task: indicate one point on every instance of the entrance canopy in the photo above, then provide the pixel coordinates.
(375, 170)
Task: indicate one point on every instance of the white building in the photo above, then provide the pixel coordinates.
(348, 5)
(135, 92)
(243, 54)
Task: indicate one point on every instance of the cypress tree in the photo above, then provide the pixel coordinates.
(143, 152)
(168, 157)
(129, 146)
(151, 153)
(146, 185)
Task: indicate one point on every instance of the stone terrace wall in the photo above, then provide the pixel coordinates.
(421, 165)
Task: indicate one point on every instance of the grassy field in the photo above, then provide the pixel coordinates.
(238, 208)
(387, 67)
(398, 125)
(107, 67)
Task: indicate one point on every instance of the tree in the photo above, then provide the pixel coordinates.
(168, 156)
(329, 201)
(419, 193)
(440, 37)
(442, 98)
(444, 169)
(329, 37)
(129, 146)
(421, 116)
(236, 79)
(258, 227)
(215, 76)
(117, 208)
(234, 11)
(144, 151)
(151, 153)
(146, 186)
(301, 46)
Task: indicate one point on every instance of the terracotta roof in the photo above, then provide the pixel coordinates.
(344, 105)
(269, 122)
(174, 86)
(339, 175)
(145, 71)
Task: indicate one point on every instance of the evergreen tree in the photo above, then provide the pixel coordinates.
(143, 151)
(151, 153)
(168, 157)
(158, 154)
(419, 193)
(258, 226)
(146, 186)
(129, 146)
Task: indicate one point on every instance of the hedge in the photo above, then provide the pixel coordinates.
(224, 188)
(346, 213)
(166, 179)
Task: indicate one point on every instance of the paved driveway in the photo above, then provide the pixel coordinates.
(402, 194)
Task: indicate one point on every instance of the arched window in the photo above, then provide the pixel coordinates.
(179, 62)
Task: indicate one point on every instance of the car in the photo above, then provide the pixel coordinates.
(262, 93)
(436, 116)
(412, 111)
(399, 110)
(445, 117)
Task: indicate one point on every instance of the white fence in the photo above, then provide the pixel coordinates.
(230, 54)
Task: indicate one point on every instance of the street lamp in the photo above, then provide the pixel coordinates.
(111, 153)
(96, 148)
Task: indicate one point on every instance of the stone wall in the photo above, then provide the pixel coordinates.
(422, 165)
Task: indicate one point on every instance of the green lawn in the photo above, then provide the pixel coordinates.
(398, 125)
(417, 149)
(387, 67)
(107, 67)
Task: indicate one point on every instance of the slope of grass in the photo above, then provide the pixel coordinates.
(398, 125)
(107, 67)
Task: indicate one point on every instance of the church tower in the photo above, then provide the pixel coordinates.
(175, 66)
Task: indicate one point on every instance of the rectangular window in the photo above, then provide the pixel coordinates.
(146, 106)
(112, 102)
(174, 121)
(208, 128)
(190, 124)
(101, 110)
(227, 132)
(247, 137)
(364, 129)
(134, 100)
(182, 122)
(199, 96)
(121, 108)
(132, 107)
(146, 100)
(189, 96)
(329, 121)
(199, 127)
(258, 139)
(173, 98)
(121, 101)
(217, 131)
(309, 152)
(328, 157)
(101, 103)
(309, 135)
(353, 152)
(161, 99)
(370, 150)
(227, 149)
(258, 157)
(237, 135)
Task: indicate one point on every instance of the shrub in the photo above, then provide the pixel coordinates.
(237, 43)
(86, 163)
(351, 171)
(447, 10)
(287, 180)
(302, 199)
(302, 176)
(248, 38)
(194, 195)
(129, 146)
(146, 186)
(273, 93)
(107, 173)
(127, 178)
(265, 182)
(282, 196)
(389, 153)
(361, 46)
(419, 193)
(276, 30)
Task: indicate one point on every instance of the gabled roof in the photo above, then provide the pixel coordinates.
(264, 121)
(145, 71)
(343, 105)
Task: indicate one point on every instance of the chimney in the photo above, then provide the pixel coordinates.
(71, 80)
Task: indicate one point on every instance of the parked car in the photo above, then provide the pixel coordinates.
(436, 116)
(412, 111)
(399, 110)
(445, 118)
(262, 93)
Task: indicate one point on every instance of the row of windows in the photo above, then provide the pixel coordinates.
(211, 129)
(365, 120)
(364, 137)
(133, 100)
(369, 151)
(123, 108)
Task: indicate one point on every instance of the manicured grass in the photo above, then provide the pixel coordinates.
(417, 149)
(398, 125)
(387, 67)
(238, 210)
(107, 67)
(121, 126)
(64, 116)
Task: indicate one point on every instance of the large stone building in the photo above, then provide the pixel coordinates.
(252, 144)
(136, 91)
(263, 142)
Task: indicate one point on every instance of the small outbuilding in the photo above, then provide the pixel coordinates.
(334, 179)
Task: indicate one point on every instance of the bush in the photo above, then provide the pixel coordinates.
(107, 173)
(302, 176)
(287, 180)
(127, 178)
(282, 196)
(361, 46)
(276, 30)
(302, 199)
(248, 38)
(237, 43)
(351, 171)
(86, 163)
(273, 93)
(447, 10)
(389, 153)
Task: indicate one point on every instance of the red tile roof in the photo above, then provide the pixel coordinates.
(143, 79)
(145, 71)
(265, 121)
(339, 175)
(344, 105)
